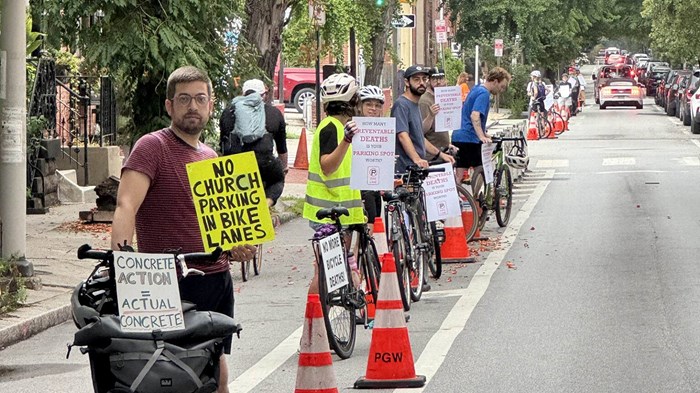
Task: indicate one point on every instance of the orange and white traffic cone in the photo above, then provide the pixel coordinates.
(379, 232)
(315, 373)
(455, 248)
(301, 161)
(532, 133)
(390, 362)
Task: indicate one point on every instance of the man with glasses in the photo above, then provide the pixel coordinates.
(155, 200)
(412, 146)
(251, 124)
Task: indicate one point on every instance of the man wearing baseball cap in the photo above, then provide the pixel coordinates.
(412, 147)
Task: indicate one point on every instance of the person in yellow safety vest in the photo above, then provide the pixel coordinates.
(330, 161)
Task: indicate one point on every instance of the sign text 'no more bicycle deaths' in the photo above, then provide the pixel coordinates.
(230, 201)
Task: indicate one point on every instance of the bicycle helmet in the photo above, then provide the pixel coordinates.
(536, 74)
(371, 93)
(517, 158)
(338, 87)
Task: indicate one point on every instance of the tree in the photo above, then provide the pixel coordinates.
(140, 43)
(674, 29)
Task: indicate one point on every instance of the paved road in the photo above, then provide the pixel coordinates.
(602, 295)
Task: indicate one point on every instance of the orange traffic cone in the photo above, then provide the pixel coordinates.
(301, 161)
(390, 362)
(558, 124)
(380, 236)
(455, 248)
(532, 128)
(315, 373)
(550, 129)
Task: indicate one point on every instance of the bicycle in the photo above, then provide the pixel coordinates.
(544, 126)
(498, 195)
(255, 264)
(468, 204)
(413, 240)
(340, 305)
(122, 360)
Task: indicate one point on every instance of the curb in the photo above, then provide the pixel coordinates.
(29, 327)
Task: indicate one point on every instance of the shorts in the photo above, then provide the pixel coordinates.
(198, 290)
(373, 205)
(468, 156)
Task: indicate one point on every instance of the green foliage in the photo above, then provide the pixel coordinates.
(140, 43)
(453, 67)
(674, 29)
(34, 39)
(515, 98)
(13, 291)
(294, 204)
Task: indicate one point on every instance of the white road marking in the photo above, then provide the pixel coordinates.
(674, 121)
(637, 171)
(696, 142)
(263, 368)
(436, 350)
(619, 161)
(552, 163)
(690, 161)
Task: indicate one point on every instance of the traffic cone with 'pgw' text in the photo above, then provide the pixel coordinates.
(455, 248)
(532, 128)
(315, 373)
(390, 362)
(301, 160)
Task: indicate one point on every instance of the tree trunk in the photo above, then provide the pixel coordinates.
(263, 30)
(379, 37)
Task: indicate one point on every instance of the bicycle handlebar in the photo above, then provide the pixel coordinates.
(87, 252)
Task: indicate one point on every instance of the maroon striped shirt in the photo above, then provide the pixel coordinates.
(167, 217)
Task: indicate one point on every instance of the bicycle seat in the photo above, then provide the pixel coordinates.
(333, 213)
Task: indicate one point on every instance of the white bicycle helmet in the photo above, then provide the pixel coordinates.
(371, 93)
(536, 74)
(338, 87)
(517, 158)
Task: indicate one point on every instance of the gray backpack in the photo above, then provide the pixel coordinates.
(250, 117)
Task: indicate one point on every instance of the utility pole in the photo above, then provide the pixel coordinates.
(13, 135)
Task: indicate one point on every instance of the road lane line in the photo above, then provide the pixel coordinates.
(696, 142)
(436, 350)
(619, 161)
(265, 366)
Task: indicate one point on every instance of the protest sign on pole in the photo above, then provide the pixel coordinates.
(441, 198)
(333, 262)
(450, 115)
(486, 155)
(373, 150)
(147, 292)
(230, 202)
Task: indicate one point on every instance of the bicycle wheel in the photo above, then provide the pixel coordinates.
(470, 217)
(245, 270)
(543, 126)
(370, 268)
(555, 116)
(397, 236)
(479, 193)
(338, 315)
(435, 263)
(257, 260)
(504, 195)
(420, 258)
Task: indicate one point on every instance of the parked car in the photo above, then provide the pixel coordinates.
(661, 89)
(671, 102)
(683, 84)
(695, 108)
(621, 92)
(652, 79)
(686, 95)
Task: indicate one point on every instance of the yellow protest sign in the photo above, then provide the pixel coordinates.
(230, 201)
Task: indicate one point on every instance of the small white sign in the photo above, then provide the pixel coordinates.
(147, 292)
(441, 198)
(440, 31)
(373, 150)
(549, 100)
(333, 262)
(450, 115)
(498, 48)
(12, 135)
(565, 90)
(487, 162)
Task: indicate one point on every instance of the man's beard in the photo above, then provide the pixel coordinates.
(189, 125)
(415, 91)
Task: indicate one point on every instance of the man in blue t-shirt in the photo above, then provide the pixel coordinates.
(475, 111)
(411, 145)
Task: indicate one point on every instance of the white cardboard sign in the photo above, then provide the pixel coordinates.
(147, 292)
(450, 115)
(486, 155)
(333, 262)
(441, 198)
(373, 150)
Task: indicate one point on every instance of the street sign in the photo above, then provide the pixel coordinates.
(456, 48)
(317, 14)
(407, 21)
(440, 31)
(498, 48)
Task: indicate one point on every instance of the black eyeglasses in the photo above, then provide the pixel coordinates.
(186, 99)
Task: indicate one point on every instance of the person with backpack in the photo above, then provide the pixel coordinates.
(537, 92)
(250, 124)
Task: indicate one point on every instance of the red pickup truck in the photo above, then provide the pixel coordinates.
(299, 85)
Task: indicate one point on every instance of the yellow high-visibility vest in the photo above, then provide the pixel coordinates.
(323, 191)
